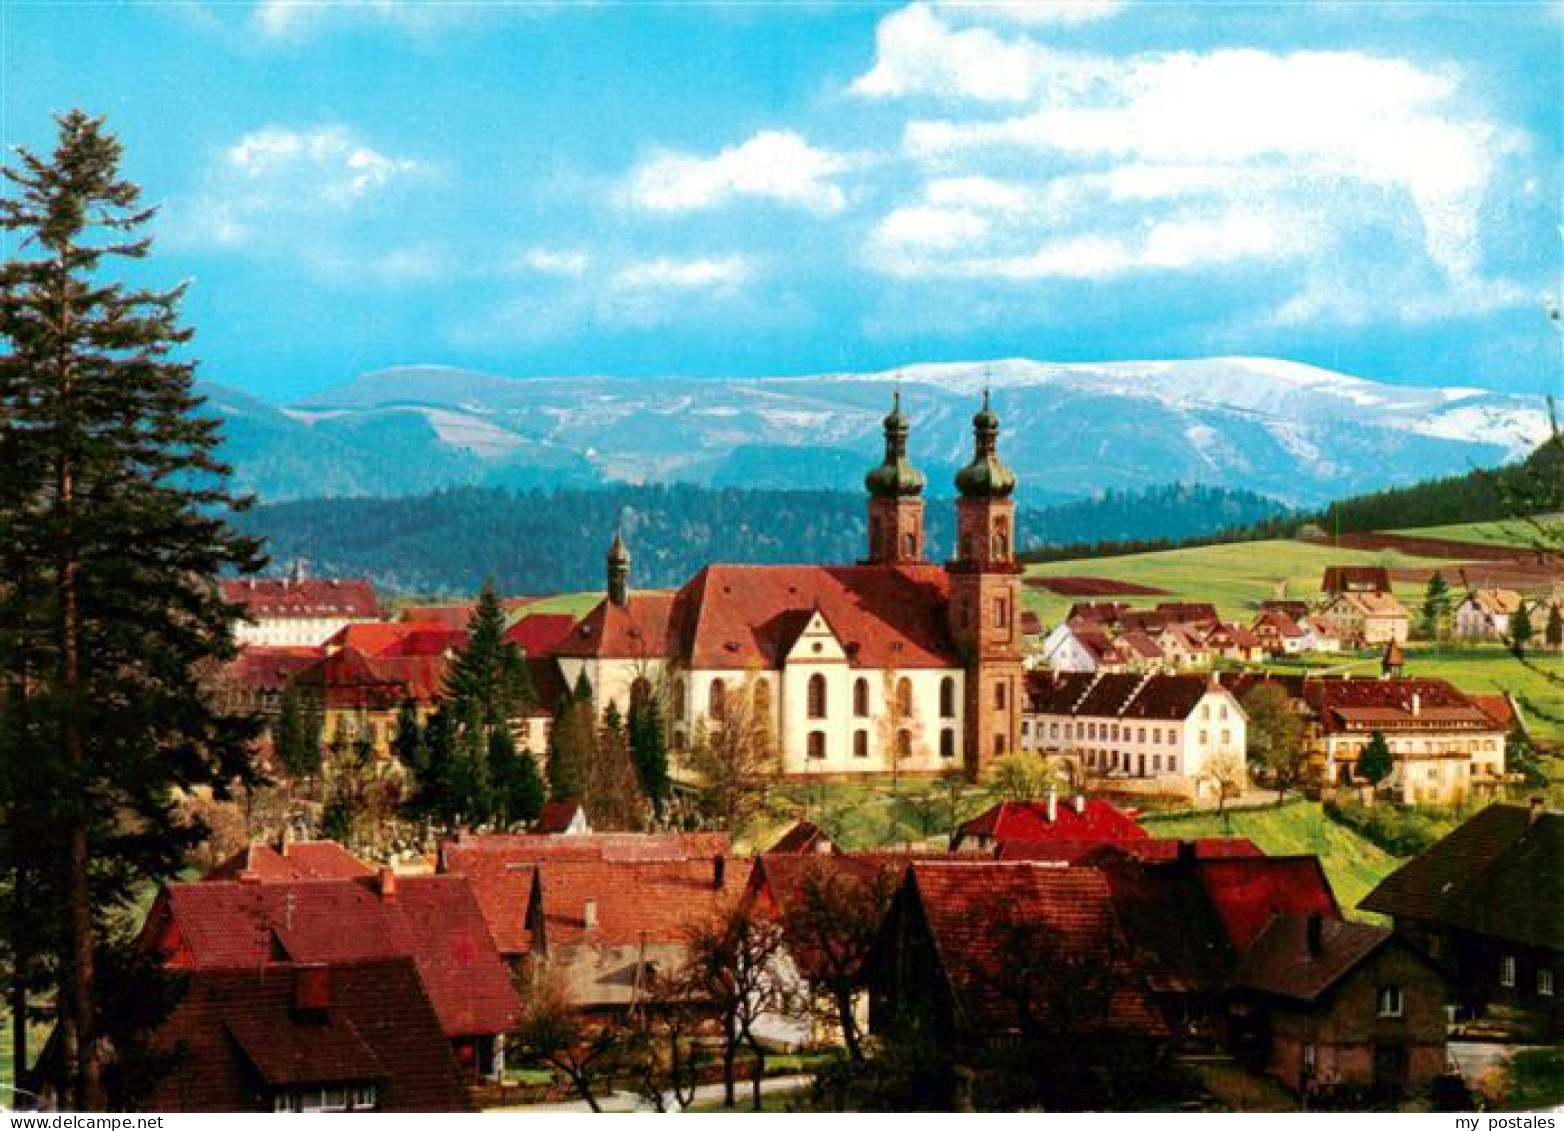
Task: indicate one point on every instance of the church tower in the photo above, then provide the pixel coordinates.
(618, 572)
(895, 499)
(985, 598)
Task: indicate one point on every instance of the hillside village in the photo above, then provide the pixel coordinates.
(590, 905)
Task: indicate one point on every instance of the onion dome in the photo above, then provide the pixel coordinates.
(986, 477)
(895, 478)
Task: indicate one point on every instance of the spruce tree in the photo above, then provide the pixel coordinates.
(1376, 762)
(408, 742)
(513, 777)
(1521, 630)
(288, 742)
(649, 748)
(1436, 607)
(116, 527)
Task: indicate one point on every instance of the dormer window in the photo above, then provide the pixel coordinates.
(1390, 1001)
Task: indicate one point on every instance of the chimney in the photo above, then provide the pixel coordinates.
(1053, 805)
(312, 988)
(589, 914)
(1538, 808)
(719, 872)
(1080, 805)
(1315, 934)
(387, 883)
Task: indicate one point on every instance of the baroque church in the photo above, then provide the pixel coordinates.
(892, 660)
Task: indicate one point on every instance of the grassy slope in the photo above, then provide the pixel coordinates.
(1236, 576)
(1508, 533)
(1352, 864)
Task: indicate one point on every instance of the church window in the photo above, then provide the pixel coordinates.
(904, 697)
(1001, 612)
(1001, 541)
(762, 697)
(875, 534)
(860, 744)
(1000, 696)
(947, 744)
(717, 699)
(678, 698)
(947, 698)
(903, 743)
(861, 698)
(1000, 744)
(817, 696)
(909, 545)
(640, 689)
(817, 744)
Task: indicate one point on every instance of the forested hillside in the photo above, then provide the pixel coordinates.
(547, 541)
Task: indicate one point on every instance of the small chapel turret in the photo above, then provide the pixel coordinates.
(895, 498)
(618, 572)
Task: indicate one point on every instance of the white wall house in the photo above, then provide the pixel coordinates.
(1152, 733)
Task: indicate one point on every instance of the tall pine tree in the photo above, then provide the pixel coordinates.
(116, 515)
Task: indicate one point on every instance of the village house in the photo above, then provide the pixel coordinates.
(894, 661)
(1358, 618)
(1445, 747)
(1278, 633)
(1484, 903)
(1325, 1004)
(1150, 733)
(287, 1036)
(252, 922)
(359, 696)
(1340, 579)
(297, 610)
(1484, 614)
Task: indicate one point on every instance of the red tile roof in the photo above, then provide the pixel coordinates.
(538, 634)
(801, 837)
(278, 597)
(297, 860)
(736, 616)
(1368, 704)
(1360, 579)
(268, 669)
(1098, 823)
(1128, 695)
(1150, 849)
(977, 912)
(556, 817)
(445, 616)
(435, 920)
(422, 641)
(237, 1035)
(1279, 962)
(1496, 707)
(372, 638)
(636, 901)
(348, 678)
(1247, 891)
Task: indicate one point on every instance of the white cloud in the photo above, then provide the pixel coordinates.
(1034, 12)
(327, 163)
(553, 261)
(285, 19)
(1096, 167)
(682, 273)
(773, 165)
(917, 53)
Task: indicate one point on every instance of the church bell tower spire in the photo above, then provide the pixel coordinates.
(895, 497)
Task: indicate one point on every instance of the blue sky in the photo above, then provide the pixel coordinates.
(720, 188)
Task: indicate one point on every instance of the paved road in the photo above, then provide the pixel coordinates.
(705, 1093)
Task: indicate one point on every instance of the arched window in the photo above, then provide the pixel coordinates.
(640, 690)
(817, 699)
(947, 698)
(717, 699)
(903, 743)
(860, 744)
(861, 697)
(909, 545)
(874, 533)
(816, 740)
(678, 698)
(1000, 744)
(761, 697)
(904, 697)
(947, 744)
(999, 696)
(1001, 540)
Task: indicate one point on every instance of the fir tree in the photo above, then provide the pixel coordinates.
(1375, 763)
(1436, 607)
(408, 742)
(432, 799)
(649, 748)
(517, 788)
(572, 743)
(288, 741)
(116, 514)
(488, 679)
(1521, 630)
